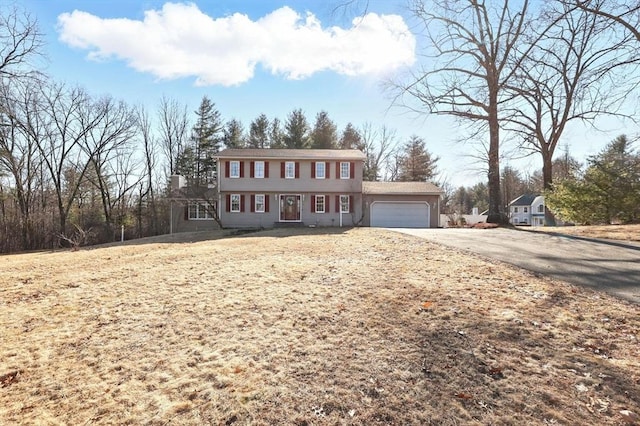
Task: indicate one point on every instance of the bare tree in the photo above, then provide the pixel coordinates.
(624, 13)
(474, 58)
(21, 43)
(378, 147)
(174, 128)
(147, 190)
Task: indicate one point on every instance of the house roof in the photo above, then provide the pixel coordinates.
(297, 154)
(393, 188)
(523, 200)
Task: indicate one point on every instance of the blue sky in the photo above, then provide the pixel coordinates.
(253, 57)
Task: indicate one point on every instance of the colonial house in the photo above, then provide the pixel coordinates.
(263, 188)
(527, 210)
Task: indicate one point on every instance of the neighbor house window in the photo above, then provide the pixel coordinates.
(320, 170)
(319, 203)
(235, 202)
(289, 170)
(234, 169)
(345, 170)
(344, 204)
(525, 209)
(515, 210)
(199, 211)
(541, 208)
(258, 169)
(259, 204)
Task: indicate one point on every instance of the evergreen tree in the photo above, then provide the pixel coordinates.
(259, 132)
(351, 138)
(234, 134)
(276, 136)
(415, 162)
(296, 130)
(206, 136)
(325, 133)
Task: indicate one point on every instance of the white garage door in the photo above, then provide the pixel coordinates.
(399, 215)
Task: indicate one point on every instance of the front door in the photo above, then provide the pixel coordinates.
(289, 208)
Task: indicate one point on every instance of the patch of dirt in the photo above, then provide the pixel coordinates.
(307, 327)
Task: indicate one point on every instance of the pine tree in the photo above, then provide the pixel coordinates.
(325, 133)
(296, 134)
(234, 134)
(415, 162)
(206, 136)
(259, 132)
(351, 138)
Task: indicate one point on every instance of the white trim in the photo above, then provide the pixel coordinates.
(348, 197)
(255, 169)
(231, 210)
(255, 206)
(286, 169)
(348, 163)
(324, 203)
(231, 174)
(324, 170)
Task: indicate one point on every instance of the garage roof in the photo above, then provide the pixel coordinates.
(399, 188)
(296, 154)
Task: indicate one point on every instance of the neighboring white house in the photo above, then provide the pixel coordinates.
(527, 210)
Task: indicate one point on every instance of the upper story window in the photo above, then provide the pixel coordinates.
(320, 170)
(289, 170)
(234, 169)
(258, 169)
(541, 208)
(515, 210)
(525, 209)
(345, 170)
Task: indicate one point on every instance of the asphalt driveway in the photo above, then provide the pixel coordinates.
(605, 265)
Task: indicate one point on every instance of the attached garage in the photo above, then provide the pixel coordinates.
(400, 214)
(401, 204)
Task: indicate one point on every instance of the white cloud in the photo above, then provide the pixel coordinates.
(181, 41)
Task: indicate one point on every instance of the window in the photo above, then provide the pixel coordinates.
(345, 170)
(234, 169)
(259, 204)
(525, 209)
(344, 204)
(541, 208)
(235, 203)
(320, 170)
(515, 210)
(319, 203)
(199, 211)
(258, 169)
(289, 170)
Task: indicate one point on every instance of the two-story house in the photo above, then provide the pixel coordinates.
(527, 210)
(262, 188)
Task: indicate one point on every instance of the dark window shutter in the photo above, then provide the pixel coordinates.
(266, 169)
(297, 170)
(351, 204)
(282, 169)
(228, 206)
(252, 166)
(327, 203)
(337, 170)
(352, 168)
(266, 202)
(313, 170)
(186, 212)
(242, 202)
(226, 169)
(327, 168)
(313, 204)
(337, 204)
(252, 208)
(242, 169)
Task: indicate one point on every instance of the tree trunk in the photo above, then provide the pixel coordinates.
(547, 183)
(496, 210)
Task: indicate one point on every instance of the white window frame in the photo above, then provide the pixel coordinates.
(515, 210)
(321, 166)
(541, 208)
(290, 170)
(259, 201)
(344, 202)
(258, 169)
(345, 170)
(525, 210)
(323, 204)
(234, 169)
(235, 199)
(199, 211)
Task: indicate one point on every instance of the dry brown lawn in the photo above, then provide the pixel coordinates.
(307, 327)
(611, 232)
